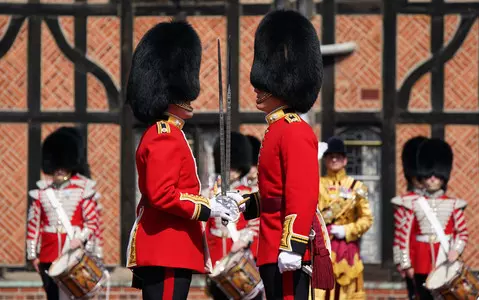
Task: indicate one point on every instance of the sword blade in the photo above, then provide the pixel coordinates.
(222, 122)
(228, 115)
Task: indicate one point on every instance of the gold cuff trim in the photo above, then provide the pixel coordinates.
(196, 213)
(289, 236)
(196, 199)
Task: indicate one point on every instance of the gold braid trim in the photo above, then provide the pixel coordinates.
(344, 272)
(196, 199)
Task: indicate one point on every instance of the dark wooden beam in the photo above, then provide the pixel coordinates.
(34, 54)
(439, 118)
(388, 153)
(128, 170)
(61, 117)
(80, 78)
(43, 9)
(328, 88)
(437, 71)
(233, 10)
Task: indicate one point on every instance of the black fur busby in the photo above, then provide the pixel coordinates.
(255, 146)
(335, 145)
(409, 158)
(165, 70)
(435, 157)
(287, 59)
(62, 149)
(241, 154)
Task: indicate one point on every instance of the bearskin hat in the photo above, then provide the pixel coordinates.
(255, 146)
(435, 157)
(62, 149)
(287, 59)
(409, 157)
(335, 145)
(241, 154)
(165, 70)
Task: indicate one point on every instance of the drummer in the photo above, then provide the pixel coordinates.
(219, 237)
(434, 160)
(62, 158)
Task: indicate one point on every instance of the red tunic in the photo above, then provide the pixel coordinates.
(288, 176)
(219, 243)
(167, 232)
(45, 234)
(414, 234)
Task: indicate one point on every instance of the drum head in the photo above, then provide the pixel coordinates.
(65, 261)
(443, 274)
(227, 263)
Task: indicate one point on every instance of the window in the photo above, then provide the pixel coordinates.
(363, 146)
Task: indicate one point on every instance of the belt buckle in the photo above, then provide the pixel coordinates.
(60, 229)
(432, 238)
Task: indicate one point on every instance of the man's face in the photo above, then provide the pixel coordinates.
(61, 175)
(433, 183)
(416, 183)
(252, 176)
(335, 162)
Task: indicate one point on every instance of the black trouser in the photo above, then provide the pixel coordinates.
(217, 294)
(411, 288)
(162, 283)
(278, 286)
(50, 287)
(424, 294)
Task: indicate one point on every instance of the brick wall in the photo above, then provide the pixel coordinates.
(358, 87)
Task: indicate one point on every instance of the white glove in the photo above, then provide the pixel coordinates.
(218, 210)
(289, 261)
(238, 198)
(338, 231)
(322, 147)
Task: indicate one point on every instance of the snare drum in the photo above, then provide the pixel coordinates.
(237, 276)
(78, 274)
(453, 281)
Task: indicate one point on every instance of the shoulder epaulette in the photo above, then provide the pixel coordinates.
(460, 204)
(43, 184)
(163, 127)
(292, 117)
(35, 194)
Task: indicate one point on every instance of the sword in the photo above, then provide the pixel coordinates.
(222, 127)
(228, 116)
(225, 134)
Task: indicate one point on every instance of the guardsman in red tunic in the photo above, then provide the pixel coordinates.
(414, 188)
(421, 252)
(287, 76)
(167, 240)
(220, 240)
(46, 236)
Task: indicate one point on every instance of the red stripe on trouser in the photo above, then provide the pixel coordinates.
(288, 288)
(169, 284)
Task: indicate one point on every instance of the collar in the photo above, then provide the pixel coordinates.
(417, 191)
(176, 121)
(277, 114)
(435, 194)
(338, 176)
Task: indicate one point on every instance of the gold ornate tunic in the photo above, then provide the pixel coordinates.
(343, 201)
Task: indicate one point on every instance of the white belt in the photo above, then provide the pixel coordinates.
(429, 238)
(57, 229)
